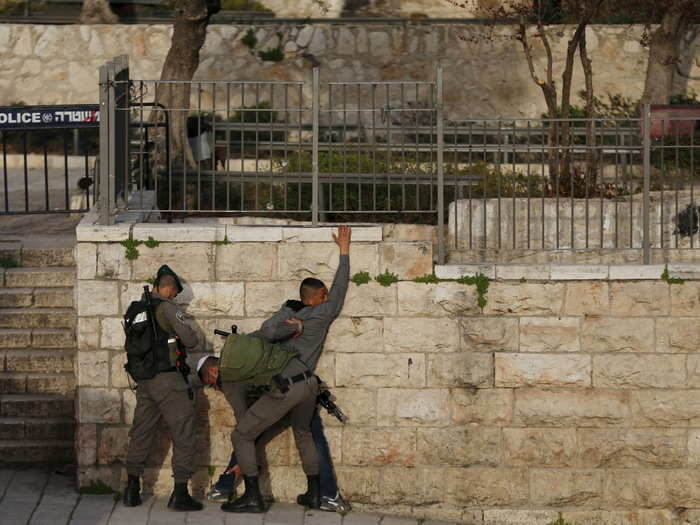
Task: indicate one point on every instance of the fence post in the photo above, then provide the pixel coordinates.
(440, 168)
(646, 241)
(106, 107)
(316, 97)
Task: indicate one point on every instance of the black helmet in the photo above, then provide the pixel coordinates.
(165, 270)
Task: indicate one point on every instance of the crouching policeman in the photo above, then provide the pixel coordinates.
(162, 391)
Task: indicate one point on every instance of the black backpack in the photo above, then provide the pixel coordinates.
(141, 358)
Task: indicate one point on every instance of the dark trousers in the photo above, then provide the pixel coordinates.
(163, 397)
(329, 485)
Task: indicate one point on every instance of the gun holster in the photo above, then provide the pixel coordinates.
(280, 383)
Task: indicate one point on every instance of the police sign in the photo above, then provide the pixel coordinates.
(45, 117)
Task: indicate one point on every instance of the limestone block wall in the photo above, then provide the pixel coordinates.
(575, 389)
(484, 77)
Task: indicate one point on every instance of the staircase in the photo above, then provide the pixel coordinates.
(37, 351)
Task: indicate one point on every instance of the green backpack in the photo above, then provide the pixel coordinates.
(253, 361)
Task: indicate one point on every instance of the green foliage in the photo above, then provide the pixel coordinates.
(430, 278)
(274, 54)
(8, 262)
(361, 278)
(151, 242)
(249, 39)
(482, 287)
(96, 487)
(665, 276)
(151, 281)
(243, 5)
(560, 521)
(387, 278)
(131, 245)
(222, 243)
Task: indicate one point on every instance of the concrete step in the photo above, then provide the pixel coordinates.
(37, 338)
(45, 405)
(39, 277)
(49, 257)
(54, 452)
(53, 361)
(23, 383)
(36, 297)
(16, 428)
(37, 318)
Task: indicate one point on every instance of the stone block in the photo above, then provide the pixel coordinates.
(587, 298)
(621, 517)
(112, 262)
(88, 335)
(540, 447)
(516, 272)
(407, 260)
(86, 260)
(629, 299)
(398, 407)
(360, 485)
(370, 299)
(86, 444)
(325, 368)
(685, 300)
(519, 517)
(246, 262)
(297, 261)
(463, 369)
(128, 292)
(489, 334)
(436, 300)
(253, 233)
(490, 406)
(15, 338)
(119, 376)
(525, 298)
(16, 298)
(579, 272)
(97, 298)
(549, 334)
(50, 361)
(355, 334)
(643, 371)
(401, 485)
(53, 338)
(380, 370)
(112, 333)
(99, 405)
(635, 272)
(633, 448)
(408, 232)
(459, 447)
(378, 447)
(264, 299)
(474, 487)
(113, 444)
(565, 408)
(457, 271)
(639, 488)
(358, 404)
(665, 408)
(325, 233)
(93, 368)
(39, 277)
(51, 384)
(179, 232)
(609, 334)
(424, 334)
(86, 232)
(54, 298)
(213, 299)
(517, 370)
(677, 334)
(192, 261)
(566, 488)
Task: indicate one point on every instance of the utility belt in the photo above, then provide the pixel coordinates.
(284, 383)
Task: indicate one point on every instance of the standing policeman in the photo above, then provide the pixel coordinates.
(166, 395)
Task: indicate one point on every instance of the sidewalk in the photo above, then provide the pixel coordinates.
(41, 497)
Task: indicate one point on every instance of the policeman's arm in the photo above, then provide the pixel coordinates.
(179, 324)
(276, 327)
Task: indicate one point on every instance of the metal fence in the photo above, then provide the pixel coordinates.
(385, 152)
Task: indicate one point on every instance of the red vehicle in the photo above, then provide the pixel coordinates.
(674, 120)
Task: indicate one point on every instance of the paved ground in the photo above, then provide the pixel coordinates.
(43, 497)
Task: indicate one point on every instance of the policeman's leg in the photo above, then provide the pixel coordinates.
(178, 412)
(301, 416)
(329, 487)
(143, 431)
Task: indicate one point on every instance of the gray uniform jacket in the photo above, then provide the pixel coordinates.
(317, 320)
(173, 320)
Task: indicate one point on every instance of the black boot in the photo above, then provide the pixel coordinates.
(180, 499)
(132, 492)
(312, 497)
(251, 501)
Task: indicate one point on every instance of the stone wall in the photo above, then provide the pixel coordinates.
(483, 77)
(575, 389)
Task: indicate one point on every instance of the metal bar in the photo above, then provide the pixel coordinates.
(102, 185)
(65, 168)
(315, 108)
(26, 177)
(646, 246)
(441, 168)
(4, 170)
(46, 176)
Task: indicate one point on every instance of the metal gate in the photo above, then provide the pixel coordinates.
(48, 155)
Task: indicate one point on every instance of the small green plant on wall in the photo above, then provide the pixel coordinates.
(361, 278)
(665, 276)
(387, 278)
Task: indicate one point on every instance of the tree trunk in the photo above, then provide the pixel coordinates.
(181, 63)
(664, 49)
(591, 152)
(97, 12)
